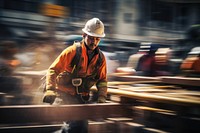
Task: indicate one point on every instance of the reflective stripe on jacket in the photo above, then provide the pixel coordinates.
(63, 63)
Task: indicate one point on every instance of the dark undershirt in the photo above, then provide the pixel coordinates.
(90, 53)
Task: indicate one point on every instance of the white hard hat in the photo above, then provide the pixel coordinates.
(94, 27)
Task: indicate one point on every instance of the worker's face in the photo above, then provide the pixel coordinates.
(91, 41)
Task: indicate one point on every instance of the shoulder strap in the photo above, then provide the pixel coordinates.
(98, 64)
(76, 58)
(99, 61)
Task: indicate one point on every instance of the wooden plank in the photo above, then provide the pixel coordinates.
(31, 128)
(163, 79)
(147, 88)
(181, 81)
(155, 98)
(50, 113)
(131, 82)
(137, 78)
(93, 127)
(154, 109)
(185, 92)
(179, 95)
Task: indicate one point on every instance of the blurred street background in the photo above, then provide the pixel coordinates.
(147, 38)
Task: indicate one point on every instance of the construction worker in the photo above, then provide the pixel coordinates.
(147, 64)
(70, 83)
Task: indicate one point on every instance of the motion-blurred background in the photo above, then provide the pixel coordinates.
(33, 33)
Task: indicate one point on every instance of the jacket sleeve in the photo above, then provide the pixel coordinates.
(102, 81)
(62, 63)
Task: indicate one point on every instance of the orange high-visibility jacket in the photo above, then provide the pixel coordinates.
(63, 63)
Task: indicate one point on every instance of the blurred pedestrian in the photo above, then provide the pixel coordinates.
(147, 63)
(75, 71)
(8, 62)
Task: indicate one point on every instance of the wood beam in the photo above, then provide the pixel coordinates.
(51, 113)
(189, 81)
(156, 97)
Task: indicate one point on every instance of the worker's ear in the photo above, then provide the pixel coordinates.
(84, 35)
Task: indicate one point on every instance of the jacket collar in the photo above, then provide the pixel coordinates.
(96, 50)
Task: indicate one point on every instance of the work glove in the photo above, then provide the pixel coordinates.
(49, 96)
(101, 99)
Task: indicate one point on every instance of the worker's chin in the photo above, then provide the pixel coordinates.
(92, 47)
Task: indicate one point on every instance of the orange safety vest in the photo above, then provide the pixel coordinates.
(86, 68)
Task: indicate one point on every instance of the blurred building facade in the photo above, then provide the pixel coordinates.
(156, 20)
(135, 20)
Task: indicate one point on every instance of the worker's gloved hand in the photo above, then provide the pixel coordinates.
(101, 99)
(49, 96)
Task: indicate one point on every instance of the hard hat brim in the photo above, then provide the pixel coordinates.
(93, 34)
